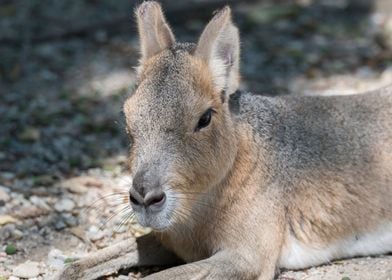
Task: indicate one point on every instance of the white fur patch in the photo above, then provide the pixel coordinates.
(296, 255)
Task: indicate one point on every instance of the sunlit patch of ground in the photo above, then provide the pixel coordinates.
(63, 175)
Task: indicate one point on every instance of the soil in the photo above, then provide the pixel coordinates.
(67, 66)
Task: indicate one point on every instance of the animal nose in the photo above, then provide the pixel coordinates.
(152, 198)
(146, 190)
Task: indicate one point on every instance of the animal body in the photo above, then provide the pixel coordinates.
(238, 185)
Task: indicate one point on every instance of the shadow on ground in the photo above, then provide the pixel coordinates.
(66, 68)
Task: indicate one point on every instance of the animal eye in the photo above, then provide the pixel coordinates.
(204, 120)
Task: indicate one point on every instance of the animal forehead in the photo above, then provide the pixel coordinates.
(170, 61)
(164, 91)
(171, 72)
(172, 87)
(169, 77)
(159, 102)
(162, 104)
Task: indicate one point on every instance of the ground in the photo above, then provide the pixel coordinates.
(66, 68)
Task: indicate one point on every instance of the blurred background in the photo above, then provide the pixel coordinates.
(65, 69)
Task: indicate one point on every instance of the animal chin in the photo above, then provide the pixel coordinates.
(156, 221)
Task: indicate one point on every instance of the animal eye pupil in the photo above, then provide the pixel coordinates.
(204, 120)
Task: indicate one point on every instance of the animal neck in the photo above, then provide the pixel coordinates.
(248, 166)
(216, 208)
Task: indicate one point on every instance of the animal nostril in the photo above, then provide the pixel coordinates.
(133, 199)
(155, 199)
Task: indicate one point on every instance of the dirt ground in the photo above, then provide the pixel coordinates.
(377, 268)
(67, 66)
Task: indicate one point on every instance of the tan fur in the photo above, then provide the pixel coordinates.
(270, 181)
(218, 46)
(155, 34)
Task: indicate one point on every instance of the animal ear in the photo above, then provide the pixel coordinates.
(154, 33)
(219, 47)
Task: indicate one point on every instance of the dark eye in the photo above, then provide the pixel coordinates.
(204, 120)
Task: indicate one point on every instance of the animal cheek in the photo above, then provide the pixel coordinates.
(188, 200)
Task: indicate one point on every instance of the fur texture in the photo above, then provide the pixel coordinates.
(269, 182)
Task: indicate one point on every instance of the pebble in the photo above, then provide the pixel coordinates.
(27, 270)
(95, 234)
(64, 205)
(7, 230)
(4, 196)
(28, 212)
(56, 259)
(7, 219)
(59, 225)
(7, 175)
(17, 234)
(13, 278)
(81, 184)
(3, 258)
(70, 220)
(41, 203)
(29, 134)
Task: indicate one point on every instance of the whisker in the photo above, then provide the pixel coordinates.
(124, 220)
(125, 208)
(112, 197)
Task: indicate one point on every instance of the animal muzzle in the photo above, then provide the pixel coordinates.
(146, 192)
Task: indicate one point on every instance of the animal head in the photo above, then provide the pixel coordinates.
(182, 136)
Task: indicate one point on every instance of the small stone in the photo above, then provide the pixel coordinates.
(59, 225)
(56, 259)
(4, 196)
(81, 184)
(366, 72)
(95, 234)
(17, 234)
(13, 278)
(41, 203)
(28, 212)
(7, 219)
(7, 230)
(30, 134)
(27, 270)
(70, 220)
(7, 175)
(64, 205)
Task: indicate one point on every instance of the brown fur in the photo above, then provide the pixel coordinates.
(266, 174)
